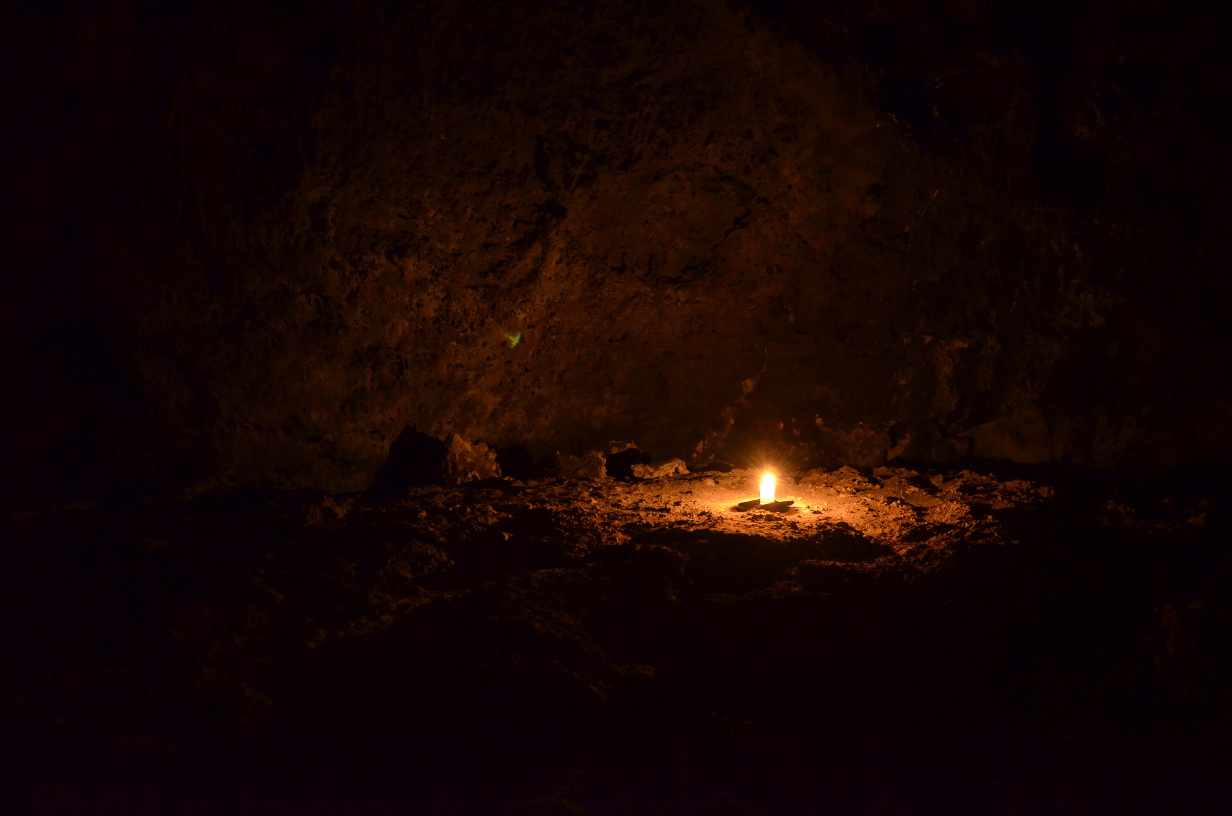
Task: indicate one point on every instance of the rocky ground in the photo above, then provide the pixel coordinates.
(898, 641)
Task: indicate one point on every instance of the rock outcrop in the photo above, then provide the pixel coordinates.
(262, 242)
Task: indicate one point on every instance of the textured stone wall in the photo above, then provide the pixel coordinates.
(252, 245)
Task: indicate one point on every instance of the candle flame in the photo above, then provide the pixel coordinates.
(767, 487)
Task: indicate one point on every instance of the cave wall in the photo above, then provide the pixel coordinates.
(248, 246)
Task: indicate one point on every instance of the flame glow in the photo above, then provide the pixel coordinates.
(767, 487)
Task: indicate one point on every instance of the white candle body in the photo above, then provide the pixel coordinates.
(767, 488)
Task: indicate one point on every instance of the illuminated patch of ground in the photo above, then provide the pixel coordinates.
(914, 639)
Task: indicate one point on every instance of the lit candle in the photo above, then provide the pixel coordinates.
(767, 488)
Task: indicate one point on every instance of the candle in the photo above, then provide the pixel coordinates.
(767, 488)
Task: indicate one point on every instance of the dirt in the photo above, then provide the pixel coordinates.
(898, 641)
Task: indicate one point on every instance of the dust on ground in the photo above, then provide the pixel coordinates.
(555, 646)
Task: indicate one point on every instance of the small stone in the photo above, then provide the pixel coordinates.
(620, 463)
(326, 509)
(469, 462)
(414, 460)
(417, 460)
(592, 466)
(671, 467)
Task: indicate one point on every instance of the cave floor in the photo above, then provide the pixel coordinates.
(902, 641)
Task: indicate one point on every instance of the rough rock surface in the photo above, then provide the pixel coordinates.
(249, 245)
